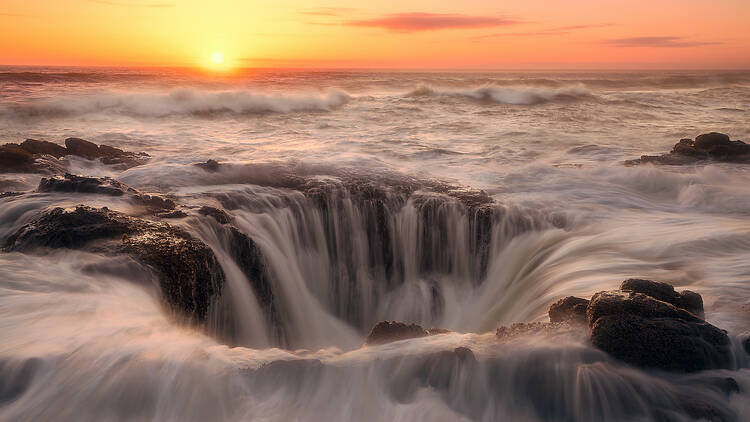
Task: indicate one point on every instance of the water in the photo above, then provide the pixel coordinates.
(86, 338)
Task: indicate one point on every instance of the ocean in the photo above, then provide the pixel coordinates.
(86, 337)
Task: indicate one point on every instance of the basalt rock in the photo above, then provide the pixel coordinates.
(219, 215)
(34, 156)
(44, 147)
(707, 147)
(645, 330)
(690, 301)
(189, 274)
(570, 308)
(390, 331)
(103, 186)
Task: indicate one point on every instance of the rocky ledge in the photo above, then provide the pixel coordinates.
(390, 331)
(647, 324)
(190, 277)
(707, 147)
(34, 156)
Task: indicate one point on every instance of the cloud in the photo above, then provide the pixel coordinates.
(420, 21)
(122, 3)
(661, 42)
(328, 11)
(560, 30)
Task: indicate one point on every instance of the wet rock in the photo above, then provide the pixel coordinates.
(210, 166)
(9, 194)
(390, 331)
(690, 301)
(103, 186)
(14, 159)
(173, 214)
(189, 274)
(219, 215)
(712, 146)
(570, 308)
(82, 184)
(746, 344)
(642, 330)
(44, 147)
(82, 148)
(665, 343)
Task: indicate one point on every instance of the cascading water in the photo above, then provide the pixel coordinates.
(334, 221)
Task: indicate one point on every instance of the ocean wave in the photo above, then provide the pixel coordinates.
(177, 102)
(513, 95)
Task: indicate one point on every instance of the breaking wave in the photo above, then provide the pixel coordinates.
(514, 95)
(178, 102)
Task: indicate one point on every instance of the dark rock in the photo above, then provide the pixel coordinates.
(82, 148)
(103, 186)
(670, 344)
(172, 214)
(83, 184)
(690, 301)
(13, 158)
(712, 146)
(645, 331)
(44, 147)
(389, 331)
(746, 345)
(570, 308)
(210, 165)
(618, 303)
(9, 194)
(189, 274)
(708, 141)
(219, 215)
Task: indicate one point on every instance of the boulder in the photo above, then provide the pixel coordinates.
(670, 344)
(43, 147)
(639, 325)
(13, 158)
(189, 274)
(390, 331)
(570, 308)
(708, 141)
(690, 301)
(82, 148)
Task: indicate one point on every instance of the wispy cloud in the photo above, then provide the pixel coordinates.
(122, 3)
(560, 30)
(328, 11)
(660, 42)
(420, 21)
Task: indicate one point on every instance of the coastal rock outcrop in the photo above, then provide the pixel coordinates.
(71, 183)
(390, 331)
(649, 324)
(188, 271)
(35, 156)
(712, 146)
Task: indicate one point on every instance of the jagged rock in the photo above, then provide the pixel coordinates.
(712, 146)
(219, 215)
(648, 332)
(83, 184)
(210, 166)
(690, 301)
(173, 214)
(102, 186)
(390, 331)
(44, 147)
(189, 274)
(82, 148)
(570, 308)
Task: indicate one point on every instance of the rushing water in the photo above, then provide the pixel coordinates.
(84, 336)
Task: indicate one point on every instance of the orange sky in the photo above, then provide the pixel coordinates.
(379, 33)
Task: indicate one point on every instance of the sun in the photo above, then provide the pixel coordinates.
(217, 58)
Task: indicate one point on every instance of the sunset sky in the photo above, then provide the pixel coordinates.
(378, 34)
